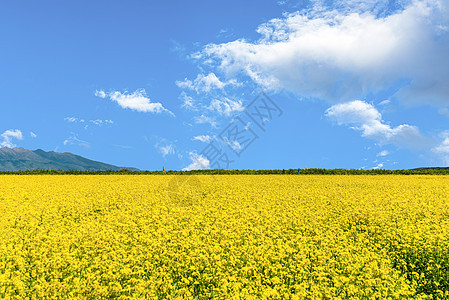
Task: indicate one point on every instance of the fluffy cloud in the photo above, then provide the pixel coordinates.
(100, 94)
(137, 101)
(442, 150)
(205, 83)
(222, 105)
(366, 118)
(8, 136)
(226, 106)
(33, 135)
(344, 53)
(199, 162)
(379, 166)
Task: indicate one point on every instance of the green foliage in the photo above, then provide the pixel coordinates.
(426, 265)
(311, 171)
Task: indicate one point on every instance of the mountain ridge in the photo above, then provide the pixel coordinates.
(21, 159)
(430, 168)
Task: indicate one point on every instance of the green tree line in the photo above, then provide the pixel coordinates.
(309, 171)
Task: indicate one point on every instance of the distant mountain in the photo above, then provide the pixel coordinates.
(20, 159)
(431, 168)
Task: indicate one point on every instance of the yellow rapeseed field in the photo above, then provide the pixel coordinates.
(224, 237)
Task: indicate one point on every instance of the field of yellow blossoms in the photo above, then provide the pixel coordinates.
(224, 237)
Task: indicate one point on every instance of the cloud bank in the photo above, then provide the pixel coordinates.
(343, 54)
(366, 118)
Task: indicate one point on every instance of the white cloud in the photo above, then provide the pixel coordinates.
(33, 135)
(166, 149)
(442, 150)
(354, 112)
(206, 120)
(383, 153)
(137, 101)
(338, 54)
(235, 145)
(385, 102)
(225, 33)
(8, 136)
(164, 146)
(100, 94)
(71, 119)
(226, 106)
(74, 140)
(203, 138)
(380, 165)
(366, 118)
(101, 122)
(199, 162)
(205, 83)
(97, 122)
(222, 105)
(188, 102)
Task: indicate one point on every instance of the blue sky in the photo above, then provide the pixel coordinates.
(146, 84)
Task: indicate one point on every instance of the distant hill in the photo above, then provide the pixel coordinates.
(431, 168)
(20, 159)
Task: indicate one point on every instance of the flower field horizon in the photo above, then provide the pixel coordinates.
(224, 237)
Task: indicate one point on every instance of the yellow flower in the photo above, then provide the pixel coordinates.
(224, 237)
